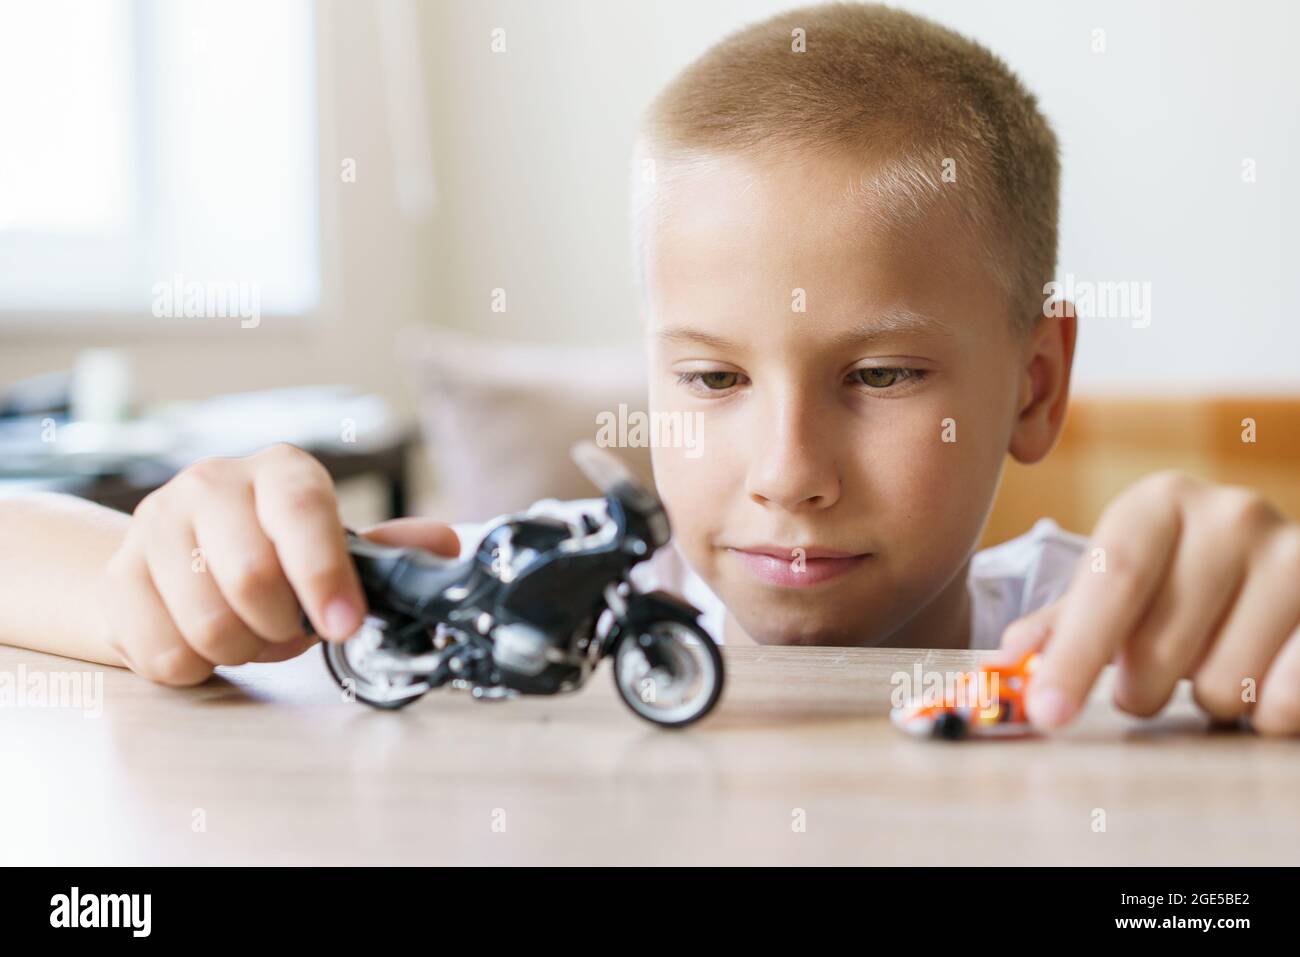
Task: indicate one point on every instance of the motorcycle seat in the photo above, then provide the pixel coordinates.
(408, 576)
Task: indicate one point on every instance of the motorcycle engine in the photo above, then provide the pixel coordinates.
(520, 648)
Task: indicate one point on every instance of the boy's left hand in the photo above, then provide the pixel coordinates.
(1181, 579)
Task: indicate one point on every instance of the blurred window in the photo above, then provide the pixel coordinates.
(144, 142)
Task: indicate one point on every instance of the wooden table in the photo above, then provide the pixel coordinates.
(265, 764)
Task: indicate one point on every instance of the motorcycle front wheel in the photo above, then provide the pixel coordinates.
(353, 665)
(670, 673)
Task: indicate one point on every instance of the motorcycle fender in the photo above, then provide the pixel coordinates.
(642, 609)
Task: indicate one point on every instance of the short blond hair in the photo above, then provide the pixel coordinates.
(934, 116)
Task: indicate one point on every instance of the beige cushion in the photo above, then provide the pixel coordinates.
(498, 416)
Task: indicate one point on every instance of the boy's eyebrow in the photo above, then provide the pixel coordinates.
(687, 334)
(892, 322)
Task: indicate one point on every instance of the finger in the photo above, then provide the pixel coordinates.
(1180, 623)
(1106, 599)
(1029, 632)
(296, 507)
(1278, 709)
(244, 565)
(423, 533)
(1264, 614)
(147, 640)
(284, 650)
(201, 614)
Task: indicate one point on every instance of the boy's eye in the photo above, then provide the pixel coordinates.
(876, 378)
(711, 381)
(882, 377)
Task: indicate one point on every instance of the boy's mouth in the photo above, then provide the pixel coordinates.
(796, 566)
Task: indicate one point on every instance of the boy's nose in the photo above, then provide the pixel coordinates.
(793, 470)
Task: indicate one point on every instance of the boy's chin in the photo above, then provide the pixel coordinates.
(805, 634)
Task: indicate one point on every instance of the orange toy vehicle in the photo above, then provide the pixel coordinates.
(987, 703)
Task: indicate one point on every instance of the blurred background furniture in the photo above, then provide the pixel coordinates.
(387, 463)
(498, 417)
(117, 462)
(1110, 442)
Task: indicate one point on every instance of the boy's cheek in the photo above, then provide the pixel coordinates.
(695, 493)
(690, 486)
(949, 486)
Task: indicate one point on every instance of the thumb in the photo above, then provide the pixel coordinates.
(1030, 632)
(436, 537)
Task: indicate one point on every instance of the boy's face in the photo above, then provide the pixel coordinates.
(851, 450)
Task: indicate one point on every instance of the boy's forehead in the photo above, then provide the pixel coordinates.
(732, 190)
(876, 327)
(760, 232)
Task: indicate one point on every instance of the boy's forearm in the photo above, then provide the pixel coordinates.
(52, 551)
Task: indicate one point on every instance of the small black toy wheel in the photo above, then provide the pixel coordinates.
(678, 682)
(950, 727)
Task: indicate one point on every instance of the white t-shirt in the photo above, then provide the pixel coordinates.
(1005, 581)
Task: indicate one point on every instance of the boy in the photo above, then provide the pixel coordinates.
(845, 220)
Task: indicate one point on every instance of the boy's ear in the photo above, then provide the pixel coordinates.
(1048, 357)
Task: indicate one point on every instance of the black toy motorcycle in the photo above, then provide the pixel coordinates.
(534, 611)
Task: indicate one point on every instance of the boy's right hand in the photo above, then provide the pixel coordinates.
(217, 564)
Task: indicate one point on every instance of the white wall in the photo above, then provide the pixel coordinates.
(533, 145)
